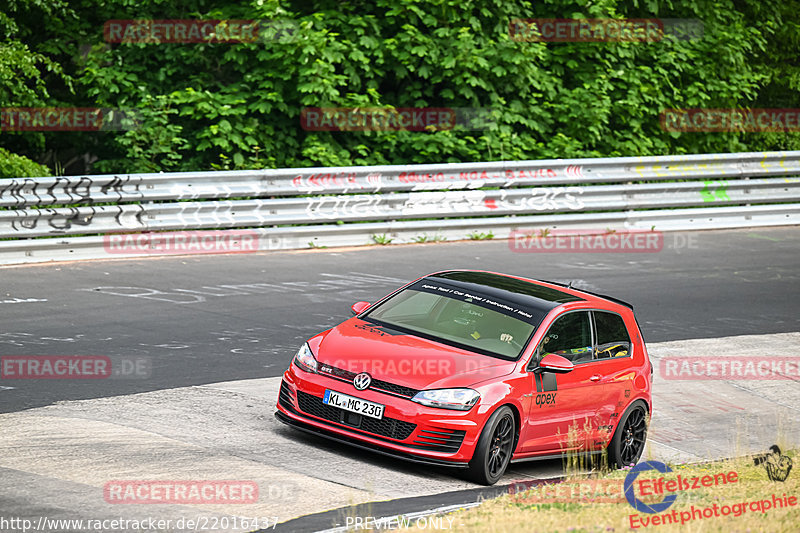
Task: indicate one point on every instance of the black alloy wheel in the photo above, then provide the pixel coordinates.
(627, 444)
(495, 448)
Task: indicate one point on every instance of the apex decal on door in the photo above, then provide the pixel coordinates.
(546, 399)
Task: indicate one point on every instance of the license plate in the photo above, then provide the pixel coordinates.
(354, 405)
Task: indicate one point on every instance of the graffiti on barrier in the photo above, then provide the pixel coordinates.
(68, 190)
(445, 202)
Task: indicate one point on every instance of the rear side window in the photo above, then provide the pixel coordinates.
(612, 336)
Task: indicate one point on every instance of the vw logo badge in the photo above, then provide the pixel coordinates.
(362, 381)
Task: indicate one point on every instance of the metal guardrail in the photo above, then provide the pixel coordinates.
(291, 208)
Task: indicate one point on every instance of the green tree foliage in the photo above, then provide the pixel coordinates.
(238, 105)
(26, 76)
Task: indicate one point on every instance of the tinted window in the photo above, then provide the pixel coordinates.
(468, 321)
(570, 336)
(510, 284)
(409, 304)
(612, 335)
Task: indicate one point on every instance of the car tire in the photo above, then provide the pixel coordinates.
(627, 443)
(495, 448)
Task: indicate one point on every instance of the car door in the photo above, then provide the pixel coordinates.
(563, 413)
(611, 363)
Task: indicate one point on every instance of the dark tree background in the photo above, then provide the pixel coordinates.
(237, 105)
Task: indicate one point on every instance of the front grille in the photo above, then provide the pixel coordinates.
(285, 396)
(377, 384)
(393, 387)
(386, 427)
(440, 439)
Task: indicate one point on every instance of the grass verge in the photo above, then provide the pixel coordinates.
(744, 497)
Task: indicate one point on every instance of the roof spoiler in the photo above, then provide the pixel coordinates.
(615, 300)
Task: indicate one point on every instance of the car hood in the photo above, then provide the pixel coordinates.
(408, 360)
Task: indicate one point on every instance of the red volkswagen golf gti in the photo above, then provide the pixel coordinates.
(476, 369)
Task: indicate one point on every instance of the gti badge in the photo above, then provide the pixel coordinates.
(362, 381)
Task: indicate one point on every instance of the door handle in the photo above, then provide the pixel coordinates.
(596, 377)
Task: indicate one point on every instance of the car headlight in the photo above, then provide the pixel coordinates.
(305, 359)
(460, 399)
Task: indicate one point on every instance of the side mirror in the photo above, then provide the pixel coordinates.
(555, 363)
(360, 307)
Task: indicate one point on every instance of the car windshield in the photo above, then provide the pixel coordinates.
(459, 318)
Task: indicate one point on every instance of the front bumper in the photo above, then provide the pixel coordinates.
(407, 431)
(309, 428)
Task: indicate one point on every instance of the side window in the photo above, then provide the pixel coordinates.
(569, 336)
(612, 336)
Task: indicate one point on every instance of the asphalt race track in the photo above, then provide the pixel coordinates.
(198, 344)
